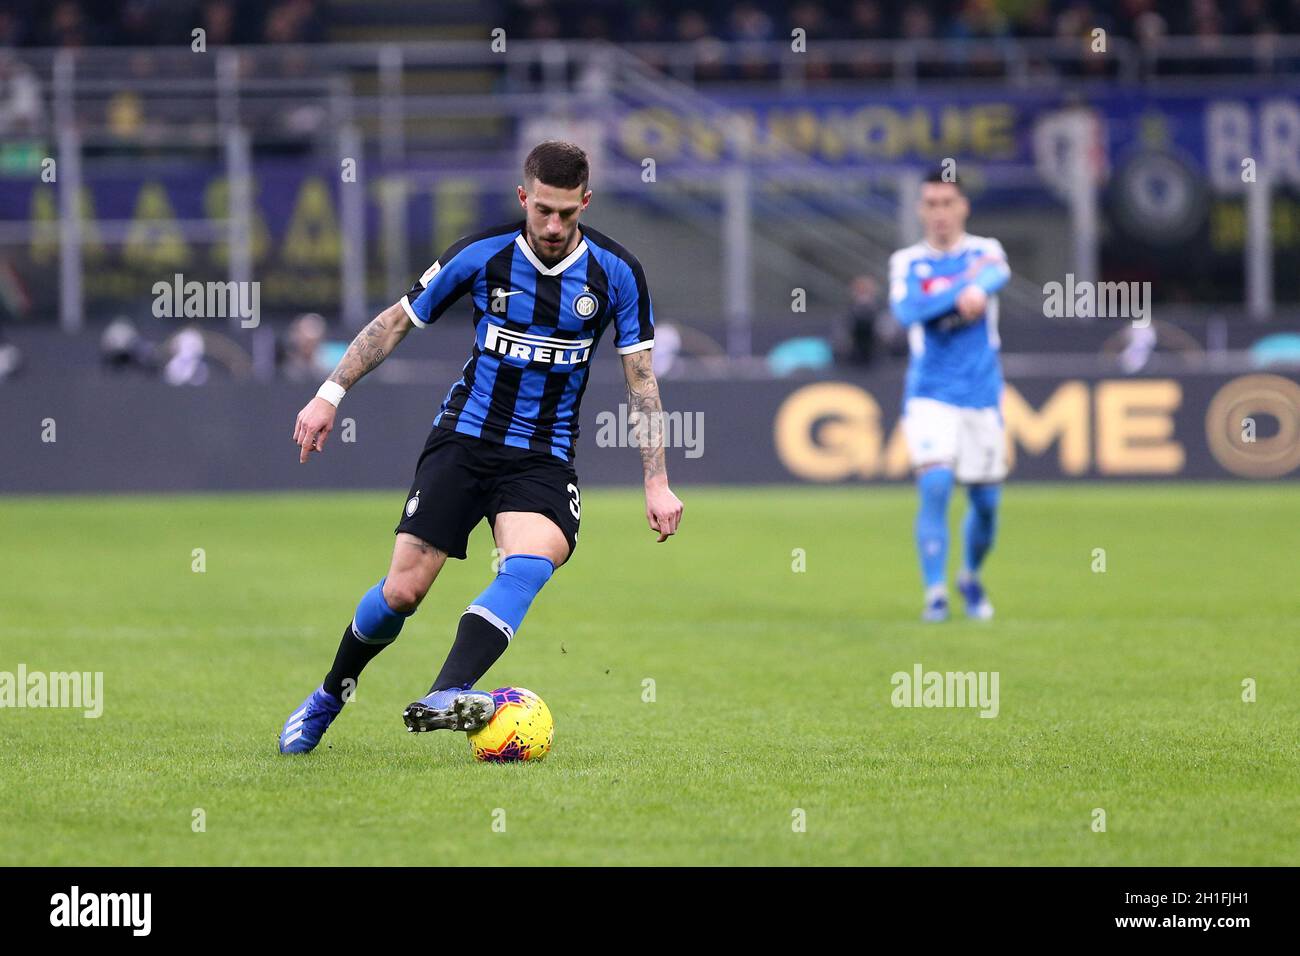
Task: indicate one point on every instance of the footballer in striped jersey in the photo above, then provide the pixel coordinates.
(544, 291)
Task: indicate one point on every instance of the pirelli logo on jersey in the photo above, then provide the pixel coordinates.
(536, 348)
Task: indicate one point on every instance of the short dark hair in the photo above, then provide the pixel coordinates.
(940, 174)
(559, 164)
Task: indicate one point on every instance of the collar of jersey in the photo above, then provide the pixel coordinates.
(556, 269)
(957, 249)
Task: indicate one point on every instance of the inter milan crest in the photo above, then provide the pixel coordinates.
(585, 304)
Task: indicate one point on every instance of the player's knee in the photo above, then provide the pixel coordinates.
(935, 483)
(403, 593)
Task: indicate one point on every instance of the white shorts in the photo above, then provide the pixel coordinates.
(971, 441)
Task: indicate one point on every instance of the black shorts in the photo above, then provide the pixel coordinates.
(460, 480)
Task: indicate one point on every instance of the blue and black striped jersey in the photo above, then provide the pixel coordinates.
(535, 329)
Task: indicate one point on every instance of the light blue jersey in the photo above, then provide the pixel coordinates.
(952, 361)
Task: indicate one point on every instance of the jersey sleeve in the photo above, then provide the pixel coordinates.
(449, 278)
(634, 319)
(993, 272)
(910, 303)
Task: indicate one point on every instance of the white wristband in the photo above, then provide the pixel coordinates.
(332, 392)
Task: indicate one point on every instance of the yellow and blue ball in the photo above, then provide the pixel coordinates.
(521, 728)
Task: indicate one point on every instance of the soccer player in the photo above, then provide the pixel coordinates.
(943, 291)
(502, 444)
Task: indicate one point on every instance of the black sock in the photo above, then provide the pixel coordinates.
(478, 644)
(352, 656)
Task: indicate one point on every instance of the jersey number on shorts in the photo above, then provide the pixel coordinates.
(575, 505)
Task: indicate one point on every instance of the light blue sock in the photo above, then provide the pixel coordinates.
(506, 600)
(981, 524)
(935, 487)
(375, 622)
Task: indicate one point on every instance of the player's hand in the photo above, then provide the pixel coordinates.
(315, 422)
(971, 302)
(663, 509)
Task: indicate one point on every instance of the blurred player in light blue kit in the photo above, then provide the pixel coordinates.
(944, 292)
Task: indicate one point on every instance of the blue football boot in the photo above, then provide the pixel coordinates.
(306, 725)
(978, 605)
(456, 708)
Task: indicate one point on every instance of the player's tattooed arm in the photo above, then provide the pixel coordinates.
(372, 345)
(662, 508)
(646, 411)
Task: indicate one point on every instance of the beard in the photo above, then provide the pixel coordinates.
(543, 249)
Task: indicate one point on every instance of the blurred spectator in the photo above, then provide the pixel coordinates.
(866, 20)
(138, 23)
(71, 23)
(544, 26)
(75, 23)
(668, 347)
(1031, 18)
(21, 107)
(749, 23)
(916, 23)
(14, 300)
(692, 25)
(1076, 22)
(648, 26)
(1137, 350)
(860, 330)
(186, 365)
(979, 20)
(1207, 25)
(300, 360)
(810, 16)
(122, 349)
(10, 358)
(293, 21)
(1147, 25)
(750, 27)
(67, 25)
(218, 20)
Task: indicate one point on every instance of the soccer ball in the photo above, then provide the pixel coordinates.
(521, 728)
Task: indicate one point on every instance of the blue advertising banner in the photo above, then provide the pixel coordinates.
(1174, 167)
(1215, 129)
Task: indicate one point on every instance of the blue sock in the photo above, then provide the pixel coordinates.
(511, 592)
(488, 624)
(374, 626)
(981, 523)
(935, 487)
(375, 622)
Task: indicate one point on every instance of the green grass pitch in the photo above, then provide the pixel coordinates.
(1119, 691)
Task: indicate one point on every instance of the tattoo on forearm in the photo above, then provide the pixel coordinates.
(365, 352)
(646, 412)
